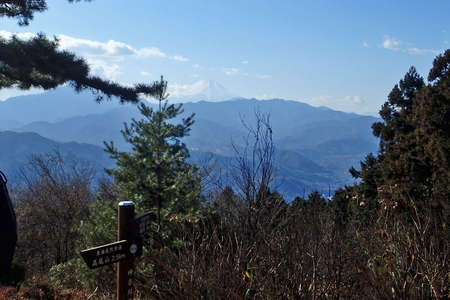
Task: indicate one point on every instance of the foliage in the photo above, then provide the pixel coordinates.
(39, 63)
(384, 238)
(155, 174)
(98, 228)
(413, 160)
(24, 10)
(50, 206)
(407, 245)
(397, 110)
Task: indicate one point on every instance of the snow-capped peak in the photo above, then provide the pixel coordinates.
(202, 90)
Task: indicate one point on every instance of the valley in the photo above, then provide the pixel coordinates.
(315, 146)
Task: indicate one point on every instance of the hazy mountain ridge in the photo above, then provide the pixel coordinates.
(17, 148)
(52, 106)
(315, 146)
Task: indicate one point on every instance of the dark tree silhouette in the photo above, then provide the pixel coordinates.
(39, 63)
(8, 227)
(24, 9)
(412, 168)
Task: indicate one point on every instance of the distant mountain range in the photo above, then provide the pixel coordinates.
(55, 105)
(16, 149)
(315, 146)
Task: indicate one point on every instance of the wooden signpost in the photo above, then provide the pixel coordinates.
(107, 254)
(142, 224)
(130, 233)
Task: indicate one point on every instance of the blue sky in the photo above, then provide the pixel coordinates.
(346, 55)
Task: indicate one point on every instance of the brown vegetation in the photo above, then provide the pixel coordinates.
(49, 209)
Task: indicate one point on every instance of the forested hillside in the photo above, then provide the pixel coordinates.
(387, 235)
(208, 182)
(314, 146)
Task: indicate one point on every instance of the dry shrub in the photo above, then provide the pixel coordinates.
(40, 290)
(408, 255)
(305, 254)
(49, 208)
(301, 254)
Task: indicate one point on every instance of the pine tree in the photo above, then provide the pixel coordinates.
(155, 173)
(24, 9)
(397, 110)
(432, 116)
(412, 169)
(39, 63)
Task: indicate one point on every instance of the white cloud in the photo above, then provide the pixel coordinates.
(111, 48)
(231, 71)
(95, 53)
(104, 58)
(391, 43)
(146, 74)
(180, 58)
(354, 99)
(88, 47)
(103, 68)
(265, 96)
(244, 62)
(149, 52)
(418, 51)
(21, 35)
(397, 45)
(183, 90)
(263, 76)
(352, 103)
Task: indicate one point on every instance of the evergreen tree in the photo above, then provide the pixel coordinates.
(412, 169)
(24, 9)
(397, 161)
(432, 116)
(364, 195)
(39, 63)
(397, 110)
(397, 150)
(155, 173)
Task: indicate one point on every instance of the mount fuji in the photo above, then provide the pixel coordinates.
(315, 146)
(202, 90)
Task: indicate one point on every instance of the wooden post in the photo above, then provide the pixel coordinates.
(125, 268)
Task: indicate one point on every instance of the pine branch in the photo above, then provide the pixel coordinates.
(39, 63)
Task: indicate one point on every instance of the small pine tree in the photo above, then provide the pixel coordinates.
(155, 173)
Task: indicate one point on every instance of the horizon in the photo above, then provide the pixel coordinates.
(345, 56)
(187, 100)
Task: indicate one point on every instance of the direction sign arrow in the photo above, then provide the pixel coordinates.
(142, 223)
(111, 253)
